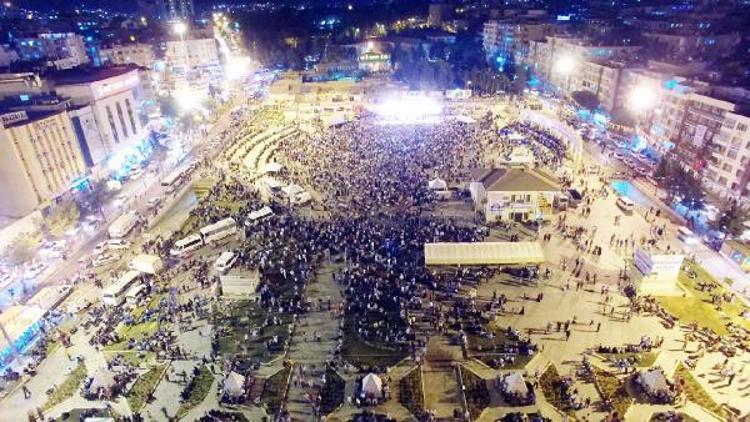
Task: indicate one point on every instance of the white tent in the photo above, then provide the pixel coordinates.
(437, 184)
(239, 283)
(654, 381)
(483, 253)
(372, 385)
(234, 385)
(292, 190)
(515, 384)
(103, 378)
(272, 168)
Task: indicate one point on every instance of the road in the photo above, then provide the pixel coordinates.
(139, 191)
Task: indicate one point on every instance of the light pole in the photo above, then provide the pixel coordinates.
(180, 28)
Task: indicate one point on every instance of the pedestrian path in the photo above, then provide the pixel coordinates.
(307, 352)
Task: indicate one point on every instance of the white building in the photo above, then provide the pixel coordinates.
(64, 50)
(508, 194)
(111, 93)
(139, 54)
(39, 159)
(192, 53)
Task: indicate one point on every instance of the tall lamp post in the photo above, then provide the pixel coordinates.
(180, 28)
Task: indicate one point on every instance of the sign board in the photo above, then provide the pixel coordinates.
(15, 116)
(658, 265)
(458, 94)
(115, 85)
(700, 133)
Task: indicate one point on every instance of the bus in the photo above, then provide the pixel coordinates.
(186, 245)
(123, 225)
(218, 230)
(134, 294)
(258, 215)
(625, 204)
(114, 294)
(174, 179)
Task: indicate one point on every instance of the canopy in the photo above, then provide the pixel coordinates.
(17, 320)
(654, 381)
(437, 184)
(515, 384)
(239, 283)
(292, 190)
(372, 385)
(103, 378)
(149, 264)
(272, 168)
(483, 253)
(234, 384)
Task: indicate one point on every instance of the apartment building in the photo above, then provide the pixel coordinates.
(139, 54)
(39, 158)
(601, 78)
(728, 169)
(192, 53)
(64, 50)
(503, 39)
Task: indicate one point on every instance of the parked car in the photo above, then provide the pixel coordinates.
(105, 259)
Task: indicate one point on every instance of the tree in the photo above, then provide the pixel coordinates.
(23, 248)
(586, 99)
(731, 221)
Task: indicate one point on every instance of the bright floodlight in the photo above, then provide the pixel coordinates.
(237, 68)
(409, 109)
(180, 28)
(187, 99)
(565, 64)
(643, 97)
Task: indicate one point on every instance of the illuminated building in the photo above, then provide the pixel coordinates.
(39, 158)
(111, 93)
(138, 53)
(60, 50)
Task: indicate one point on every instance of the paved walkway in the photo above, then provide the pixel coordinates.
(304, 350)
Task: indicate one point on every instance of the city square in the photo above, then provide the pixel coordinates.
(295, 245)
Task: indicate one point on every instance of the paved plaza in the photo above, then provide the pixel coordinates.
(345, 318)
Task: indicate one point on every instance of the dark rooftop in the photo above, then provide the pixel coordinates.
(32, 117)
(87, 75)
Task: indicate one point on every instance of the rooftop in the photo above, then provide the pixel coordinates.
(514, 180)
(87, 75)
(33, 116)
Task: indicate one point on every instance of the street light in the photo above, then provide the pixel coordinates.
(642, 98)
(180, 28)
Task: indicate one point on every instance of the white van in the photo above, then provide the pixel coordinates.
(186, 245)
(686, 235)
(225, 261)
(626, 204)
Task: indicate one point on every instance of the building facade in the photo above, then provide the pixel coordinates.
(39, 159)
(138, 54)
(64, 50)
(111, 93)
(192, 53)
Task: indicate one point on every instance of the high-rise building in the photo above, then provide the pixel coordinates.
(437, 13)
(180, 9)
(39, 158)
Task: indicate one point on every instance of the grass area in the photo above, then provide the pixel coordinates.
(611, 388)
(695, 392)
(357, 352)
(199, 387)
(696, 306)
(240, 319)
(143, 387)
(671, 417)
(476, 392)
(332, 393)
(552, 388)
(135, 332)
(411, 394)
(68, 387)
(643, 359)
(274, 390)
